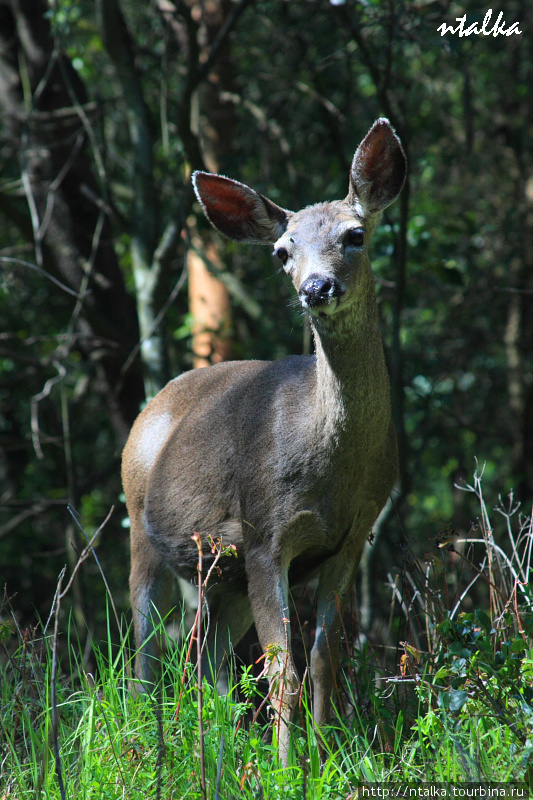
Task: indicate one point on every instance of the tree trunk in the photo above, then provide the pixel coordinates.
(209, 304)
(209, 300)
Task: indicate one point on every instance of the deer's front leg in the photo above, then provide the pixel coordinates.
(336, 580)
(268, 592)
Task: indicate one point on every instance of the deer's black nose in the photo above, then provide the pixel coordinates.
(319, 291)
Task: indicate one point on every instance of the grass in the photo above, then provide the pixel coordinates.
(461, 710)
(111, 743)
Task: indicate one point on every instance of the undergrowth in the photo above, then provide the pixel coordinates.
(458, 709)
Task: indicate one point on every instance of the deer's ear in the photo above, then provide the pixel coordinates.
(378, 168)
(238, 211)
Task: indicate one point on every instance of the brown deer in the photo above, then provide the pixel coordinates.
(290, 461)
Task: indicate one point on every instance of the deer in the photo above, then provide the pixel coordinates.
(288, 462)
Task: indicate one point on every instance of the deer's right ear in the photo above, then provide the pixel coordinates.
(378, 169)
(238, 211)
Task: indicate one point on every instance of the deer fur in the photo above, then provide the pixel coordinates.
(290, 461)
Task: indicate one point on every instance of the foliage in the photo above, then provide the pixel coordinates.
(476, 670)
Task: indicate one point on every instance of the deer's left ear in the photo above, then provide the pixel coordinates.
(378, 170)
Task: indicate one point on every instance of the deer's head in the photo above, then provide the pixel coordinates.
(324, 247)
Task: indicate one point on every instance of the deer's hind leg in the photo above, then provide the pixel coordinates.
(151, 590)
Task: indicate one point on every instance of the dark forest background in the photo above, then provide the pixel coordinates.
(111, 282)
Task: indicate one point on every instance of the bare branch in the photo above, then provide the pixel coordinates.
(36, 399)
(28, 513)
(234, 286)
(21, 263)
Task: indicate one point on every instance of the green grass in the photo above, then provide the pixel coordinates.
(111, 742)
(461, 712)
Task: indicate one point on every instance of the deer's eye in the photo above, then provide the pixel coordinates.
(355, 237)
(282, 254)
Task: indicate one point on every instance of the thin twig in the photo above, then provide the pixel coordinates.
(463, 594)
(28, 513)
(95, 243)
(56, 183)
(36, 399)
(21, 263)
(513, 508)
(34, 213)
(76, 518)
(501, 553)
(55, 715)
(198, 540)
(233, 285)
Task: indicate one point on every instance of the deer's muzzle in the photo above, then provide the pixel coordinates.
(318, 292)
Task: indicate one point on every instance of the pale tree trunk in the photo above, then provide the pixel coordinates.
(209, 299)
(515, 383)
(210, 306)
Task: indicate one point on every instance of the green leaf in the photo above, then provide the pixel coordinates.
(443, 672)
(453, 701)
(458, 649)
(458, 698)
(484, 619)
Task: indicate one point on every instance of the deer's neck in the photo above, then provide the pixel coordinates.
(352, 389)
